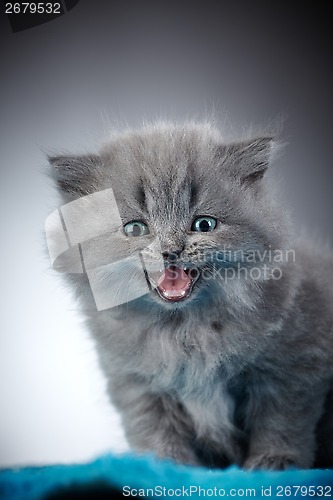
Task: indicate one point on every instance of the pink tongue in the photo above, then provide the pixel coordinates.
(174, 282)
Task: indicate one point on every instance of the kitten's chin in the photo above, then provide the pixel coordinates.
(175, 283)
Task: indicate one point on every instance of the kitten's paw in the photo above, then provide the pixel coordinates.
(187, 458)
(271, 462)
(181, 456)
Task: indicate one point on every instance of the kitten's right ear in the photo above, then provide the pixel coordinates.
(248, 160)
(75, 176)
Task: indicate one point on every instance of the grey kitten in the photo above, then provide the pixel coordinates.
(227, 357)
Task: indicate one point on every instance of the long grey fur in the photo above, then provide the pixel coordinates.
(242, 370)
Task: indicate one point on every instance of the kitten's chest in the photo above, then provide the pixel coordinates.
(215, 415)
(180, 356)
(184, 360)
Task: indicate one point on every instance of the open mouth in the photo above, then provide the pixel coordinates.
(174, 283)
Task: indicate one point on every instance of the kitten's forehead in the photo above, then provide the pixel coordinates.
(163, 170)
(168, 196)
(162, 151)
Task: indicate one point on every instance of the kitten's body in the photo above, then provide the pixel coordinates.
(241, 370)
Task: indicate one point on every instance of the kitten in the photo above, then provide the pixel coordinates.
(223, 353)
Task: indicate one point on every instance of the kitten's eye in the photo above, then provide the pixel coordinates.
(204, 224)
(136, 228)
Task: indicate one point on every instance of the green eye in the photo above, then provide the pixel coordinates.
(136, 228)
(204, 224)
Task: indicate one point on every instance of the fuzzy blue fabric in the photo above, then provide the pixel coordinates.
(147, 477)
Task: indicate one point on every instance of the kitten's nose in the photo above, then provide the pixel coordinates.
(172, 255)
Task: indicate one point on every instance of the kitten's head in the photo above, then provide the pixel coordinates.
(196, 215)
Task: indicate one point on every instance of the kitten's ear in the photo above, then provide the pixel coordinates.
(249, 160)
(75, 175)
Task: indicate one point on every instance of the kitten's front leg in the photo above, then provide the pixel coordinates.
(284, 419)
(155, 422)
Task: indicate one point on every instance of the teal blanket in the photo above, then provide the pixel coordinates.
(121, 476)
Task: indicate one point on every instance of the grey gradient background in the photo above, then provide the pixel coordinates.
(102, 65)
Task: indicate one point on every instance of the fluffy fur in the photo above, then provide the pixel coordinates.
(240, 371)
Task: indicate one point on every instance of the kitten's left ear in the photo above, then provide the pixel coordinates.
(75, 175)
(249, 160)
